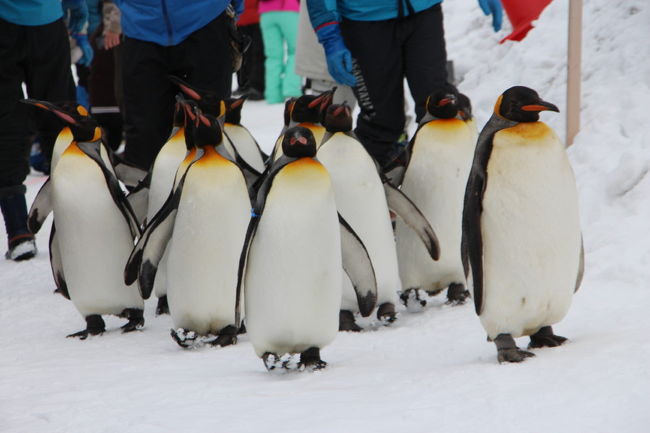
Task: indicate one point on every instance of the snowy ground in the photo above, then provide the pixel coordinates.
(430, 372)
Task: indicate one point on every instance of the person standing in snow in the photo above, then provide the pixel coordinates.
(372, 45)
(191, 40)
(34, 49)
(279, 23)
(250, 77)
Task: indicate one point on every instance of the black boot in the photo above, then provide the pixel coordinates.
(21, 244)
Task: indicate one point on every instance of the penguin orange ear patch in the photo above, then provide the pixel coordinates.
(82, 110)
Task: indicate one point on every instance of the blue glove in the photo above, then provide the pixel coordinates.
(339, 59)
(493, 7)
(86, 49)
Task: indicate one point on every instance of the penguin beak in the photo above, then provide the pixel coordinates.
(52, 108)
(185, 88)
(446, 101)
(541, 106)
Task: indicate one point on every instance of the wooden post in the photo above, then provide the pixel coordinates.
(574, 55)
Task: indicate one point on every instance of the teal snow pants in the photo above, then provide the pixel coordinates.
(279, 28)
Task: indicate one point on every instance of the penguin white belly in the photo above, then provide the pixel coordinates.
(164, 171)
(242, 139)
(361, 200)
(435, 180)
(293, 275)
(93, 237)
(531, 233)
(209, 231)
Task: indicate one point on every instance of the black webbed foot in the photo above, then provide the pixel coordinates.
(347, 322)
(386, 313)
(185, 339)
(507, 350)
(162, 307)
(545, 338)
(94, 326)
(457, 294)
(136, 319)
(271, 361)
(310, 360)
(227, 336)
(412, 300)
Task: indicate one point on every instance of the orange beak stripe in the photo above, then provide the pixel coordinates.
(534, 108)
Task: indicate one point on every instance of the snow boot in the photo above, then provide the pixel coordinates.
(21, 244)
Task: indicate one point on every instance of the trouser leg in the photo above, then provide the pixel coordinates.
(291, 82)
(377, 52)
(273, 52)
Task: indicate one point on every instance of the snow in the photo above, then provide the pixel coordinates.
(431, 371)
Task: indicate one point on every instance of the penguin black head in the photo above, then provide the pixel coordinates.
(233, 110)
(206, 129)
(338, 118)
(464, 107)
(288, 108)
(84, 128)
(522, 104)
(299, 142)
(209, 102)
(443, 103)
(311, 108)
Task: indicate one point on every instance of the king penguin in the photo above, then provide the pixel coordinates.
(306, 111)
(362, 200)
(291, 264)
(521, 227)
(95, 228)
(439, 159)
(201, 228)
(241, 137)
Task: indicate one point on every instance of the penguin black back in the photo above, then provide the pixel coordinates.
(522, 104)
(299, 142)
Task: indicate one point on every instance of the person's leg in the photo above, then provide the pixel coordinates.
(243, 75)
(204, 59)
(291, 82)
(256, 57)
(380, 90)
(274, 53)
(425, 57)
(148, 97)
(48, 77)
(112, 125)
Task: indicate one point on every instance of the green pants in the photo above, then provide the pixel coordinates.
(280, 28)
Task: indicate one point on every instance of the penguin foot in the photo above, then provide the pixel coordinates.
(386, 313)
(94, 326)
(545, 338)
(227, 336)
(162, 307)
(507, 350)
(412, 300)
(185, 339)
(272, 361)
(310, 360)
(242, 328)
(136, 319)
(347, 322)
(456, 294)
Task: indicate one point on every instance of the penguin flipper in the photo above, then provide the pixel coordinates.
(243, 261)
(129, 174)
(399, 203)
(472, 239)
(138, 198)
(93, 151)
(358, 266)
(143, 261)
(41, 207)
(581, 265)
(57, 265)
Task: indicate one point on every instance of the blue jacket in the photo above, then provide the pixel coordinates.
(30, 12)
(168, 22)
(323, 12)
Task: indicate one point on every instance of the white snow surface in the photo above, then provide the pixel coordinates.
(429, 372)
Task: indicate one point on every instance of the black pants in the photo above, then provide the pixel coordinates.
(251, 74)
(112, 125)
(386, 52)
(39, 56)
(203, 59)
